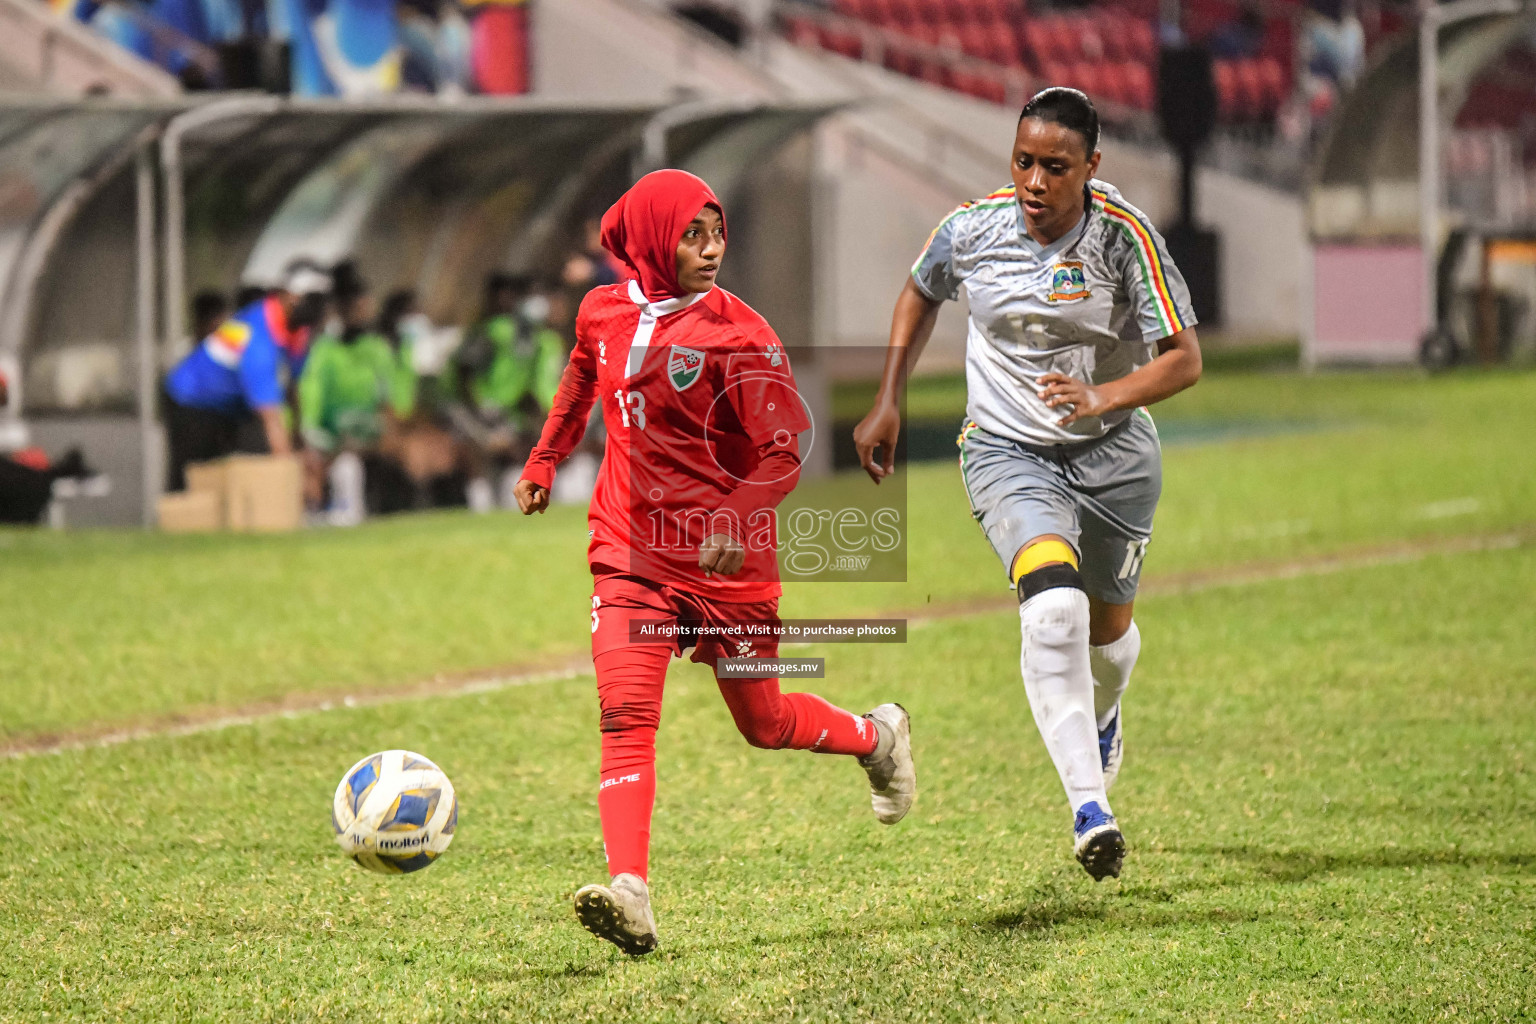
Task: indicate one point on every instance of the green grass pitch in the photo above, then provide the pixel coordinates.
(1327, 794)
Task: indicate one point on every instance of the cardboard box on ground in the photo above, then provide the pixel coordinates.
(243, 493)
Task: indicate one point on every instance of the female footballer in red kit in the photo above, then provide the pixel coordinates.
(703, 422)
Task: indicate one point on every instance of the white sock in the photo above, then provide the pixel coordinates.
(1112, 666)
(347, 490)
(1059, 684)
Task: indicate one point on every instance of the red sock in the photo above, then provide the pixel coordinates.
(629, 685)
(796, 721)
(625, 799)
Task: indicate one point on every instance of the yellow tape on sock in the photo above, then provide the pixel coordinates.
(1035, 555)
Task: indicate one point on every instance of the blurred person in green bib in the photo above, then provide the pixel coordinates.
(506, 374)
(353, 390)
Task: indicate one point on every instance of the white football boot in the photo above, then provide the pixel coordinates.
(619, 912)
(892, 776)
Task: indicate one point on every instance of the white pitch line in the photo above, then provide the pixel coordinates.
(578, 668)
(471, 687)
(1448, 509)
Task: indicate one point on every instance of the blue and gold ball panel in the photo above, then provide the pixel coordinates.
(410, 810)
(364, 779)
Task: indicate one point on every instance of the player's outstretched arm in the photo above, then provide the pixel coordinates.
(563, 428)
(911, 327)
(1176, 367)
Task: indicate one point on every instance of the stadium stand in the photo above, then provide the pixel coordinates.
(980, 47)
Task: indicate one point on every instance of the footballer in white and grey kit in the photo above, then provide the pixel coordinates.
(1091, 305)
(1078, 320)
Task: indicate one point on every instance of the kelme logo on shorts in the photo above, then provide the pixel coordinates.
(683, 366)
(1067, 284)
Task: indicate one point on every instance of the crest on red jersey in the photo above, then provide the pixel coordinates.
(684, 366)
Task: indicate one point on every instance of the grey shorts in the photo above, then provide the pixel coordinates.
(1100, 495)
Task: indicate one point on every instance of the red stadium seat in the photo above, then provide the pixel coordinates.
(983, 87)
(1062, 40)
(801, 31)
(985, 10)
(903, 12)
(1108, 26)
(1006, 48)
(959, 12)
(931, 12)
(1009, 10)
(1138, 83)
(1229, 100)
(975, 41)
(934, 73)
(992, 90)
(1250, 87)
(1056, 73)
(1086, 37)
(1272, 80)
(843, 41)
(879, 12)
(1141, 40)
(1089, 77)
(1039, 47)
(1112, 82)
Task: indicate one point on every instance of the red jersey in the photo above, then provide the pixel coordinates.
(703, 421)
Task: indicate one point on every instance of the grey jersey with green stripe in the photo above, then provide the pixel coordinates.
(1091, 305)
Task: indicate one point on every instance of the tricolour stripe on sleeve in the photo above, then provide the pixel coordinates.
(991, 201)
(1151, 262)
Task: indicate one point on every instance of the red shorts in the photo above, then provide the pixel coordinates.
(623, 605)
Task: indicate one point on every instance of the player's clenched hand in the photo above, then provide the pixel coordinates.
(878, 430)
(531, 497)
(721, 553)
(1060, 391)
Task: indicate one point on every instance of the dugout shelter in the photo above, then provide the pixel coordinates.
(114, 212)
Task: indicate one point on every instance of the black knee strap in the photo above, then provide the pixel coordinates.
(1048, 577)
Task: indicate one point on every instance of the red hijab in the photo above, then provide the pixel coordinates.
(645, 225)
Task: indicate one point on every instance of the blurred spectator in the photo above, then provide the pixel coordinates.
(499, 46)
(435, 38)
(27, 478)
(209, 309)
(403, 326)
(435, 462)
(229, 393)
(1241, 38)
(351, 390)
(592, 266)
(1336, 41)
(507, 372)
(249, 293)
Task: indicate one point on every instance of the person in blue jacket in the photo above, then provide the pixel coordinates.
(229, 394)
